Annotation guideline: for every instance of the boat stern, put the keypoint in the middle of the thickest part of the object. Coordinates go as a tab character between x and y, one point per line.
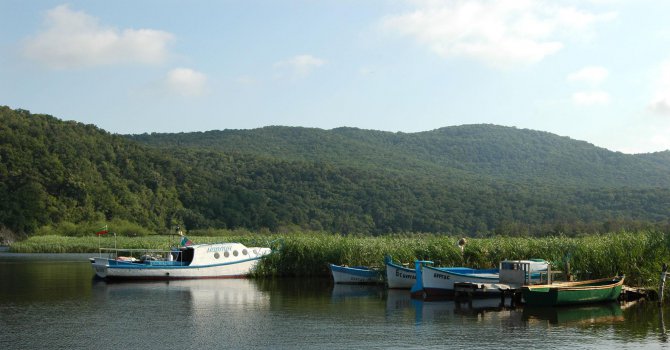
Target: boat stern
100	266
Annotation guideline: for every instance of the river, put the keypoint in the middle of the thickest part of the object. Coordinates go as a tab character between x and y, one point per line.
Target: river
53	302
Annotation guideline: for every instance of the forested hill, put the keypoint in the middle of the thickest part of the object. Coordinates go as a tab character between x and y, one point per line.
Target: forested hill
471	180
496	152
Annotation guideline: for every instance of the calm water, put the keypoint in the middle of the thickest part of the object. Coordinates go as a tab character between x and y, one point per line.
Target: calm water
53	302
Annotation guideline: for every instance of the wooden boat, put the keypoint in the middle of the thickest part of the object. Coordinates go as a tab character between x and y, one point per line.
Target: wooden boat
398	276
438	282
355	274
222	260
569	293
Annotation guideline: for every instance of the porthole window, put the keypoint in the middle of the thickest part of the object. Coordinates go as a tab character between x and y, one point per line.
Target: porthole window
244	252
216	255
226	254
235	252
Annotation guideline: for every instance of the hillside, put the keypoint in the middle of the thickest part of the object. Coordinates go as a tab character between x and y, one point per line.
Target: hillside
471	180
474	151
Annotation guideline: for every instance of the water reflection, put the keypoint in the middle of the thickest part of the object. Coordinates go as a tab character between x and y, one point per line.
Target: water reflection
202	294
196	309
66	308
586	314
43	281
663	334
346	291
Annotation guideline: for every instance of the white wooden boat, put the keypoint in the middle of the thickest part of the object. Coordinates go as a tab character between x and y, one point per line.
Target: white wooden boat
221	260
355	274
398	276
438	282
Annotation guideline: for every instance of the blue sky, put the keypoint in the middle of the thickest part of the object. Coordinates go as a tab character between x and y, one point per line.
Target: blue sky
596	70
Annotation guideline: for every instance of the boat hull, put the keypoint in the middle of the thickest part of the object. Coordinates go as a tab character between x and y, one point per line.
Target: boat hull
399	277
113	269
218	260
571	293
439	283
354	275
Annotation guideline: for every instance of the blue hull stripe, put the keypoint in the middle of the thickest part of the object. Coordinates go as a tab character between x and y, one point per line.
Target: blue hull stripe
113	264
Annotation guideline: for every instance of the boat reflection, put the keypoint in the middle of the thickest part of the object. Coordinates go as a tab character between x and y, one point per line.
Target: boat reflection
400	302
201	293
478	309
346	291
586	314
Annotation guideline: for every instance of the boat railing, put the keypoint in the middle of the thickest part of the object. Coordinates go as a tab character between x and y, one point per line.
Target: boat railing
140	254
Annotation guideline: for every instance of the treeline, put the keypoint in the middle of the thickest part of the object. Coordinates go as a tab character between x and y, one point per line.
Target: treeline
61	173
466	152
53	171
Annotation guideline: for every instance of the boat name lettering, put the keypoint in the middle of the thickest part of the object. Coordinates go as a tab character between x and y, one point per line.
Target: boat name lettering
441	276
219	249
405	275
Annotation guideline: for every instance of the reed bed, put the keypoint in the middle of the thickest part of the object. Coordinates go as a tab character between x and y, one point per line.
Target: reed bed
638	255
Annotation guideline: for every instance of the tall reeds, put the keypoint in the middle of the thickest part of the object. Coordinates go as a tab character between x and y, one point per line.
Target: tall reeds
638	255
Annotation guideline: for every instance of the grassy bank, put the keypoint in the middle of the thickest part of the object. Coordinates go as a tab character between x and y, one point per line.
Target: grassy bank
638	255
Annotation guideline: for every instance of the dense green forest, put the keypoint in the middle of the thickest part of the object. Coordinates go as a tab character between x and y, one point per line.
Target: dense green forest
469	180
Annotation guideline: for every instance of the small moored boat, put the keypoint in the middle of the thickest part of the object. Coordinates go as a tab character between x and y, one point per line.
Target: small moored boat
222	260
438	282
398	276
568	293
355	274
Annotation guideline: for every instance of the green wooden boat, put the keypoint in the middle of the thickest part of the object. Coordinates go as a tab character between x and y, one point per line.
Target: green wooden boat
569	293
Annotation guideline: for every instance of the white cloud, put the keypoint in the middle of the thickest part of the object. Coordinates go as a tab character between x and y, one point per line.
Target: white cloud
660	102
499	33
592	75
73	39
300	65
588	98
186	82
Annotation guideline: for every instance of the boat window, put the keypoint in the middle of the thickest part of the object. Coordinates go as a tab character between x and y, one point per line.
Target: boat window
235	252
226	254
216	255
244	252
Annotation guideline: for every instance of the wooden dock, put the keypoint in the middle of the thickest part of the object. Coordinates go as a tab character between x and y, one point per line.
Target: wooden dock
631	294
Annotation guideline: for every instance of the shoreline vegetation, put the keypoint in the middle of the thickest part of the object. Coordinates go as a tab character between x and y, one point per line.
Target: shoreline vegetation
637	255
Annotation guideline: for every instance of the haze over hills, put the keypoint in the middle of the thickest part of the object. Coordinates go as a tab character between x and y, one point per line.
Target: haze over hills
471	180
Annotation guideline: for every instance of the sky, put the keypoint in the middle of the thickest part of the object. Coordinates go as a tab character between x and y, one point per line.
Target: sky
592	70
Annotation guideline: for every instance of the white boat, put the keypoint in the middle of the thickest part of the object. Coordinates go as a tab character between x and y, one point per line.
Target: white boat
221	260
398	276
438	282
355	274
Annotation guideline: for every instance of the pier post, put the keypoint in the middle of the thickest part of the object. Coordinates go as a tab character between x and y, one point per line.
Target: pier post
662	286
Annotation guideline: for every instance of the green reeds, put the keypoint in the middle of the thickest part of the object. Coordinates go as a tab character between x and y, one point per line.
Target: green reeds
638	255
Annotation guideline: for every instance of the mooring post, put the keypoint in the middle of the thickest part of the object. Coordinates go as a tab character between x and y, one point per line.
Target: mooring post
662	286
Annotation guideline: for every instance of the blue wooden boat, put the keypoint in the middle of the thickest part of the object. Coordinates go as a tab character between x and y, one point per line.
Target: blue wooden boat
355	274
399	276
438	282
